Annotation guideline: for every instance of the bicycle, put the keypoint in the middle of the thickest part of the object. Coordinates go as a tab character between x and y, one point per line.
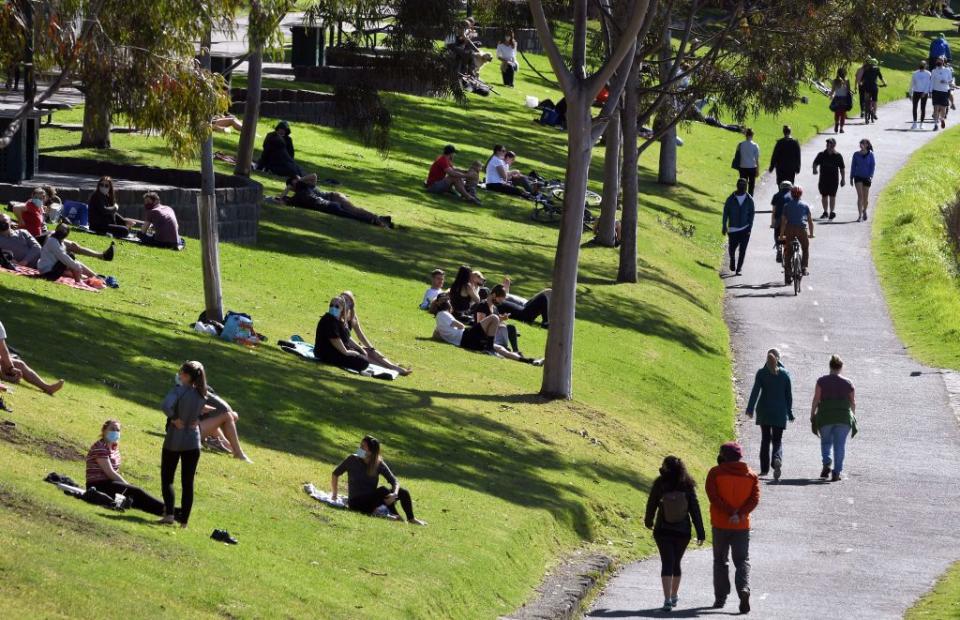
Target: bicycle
870	107
794	271
548	203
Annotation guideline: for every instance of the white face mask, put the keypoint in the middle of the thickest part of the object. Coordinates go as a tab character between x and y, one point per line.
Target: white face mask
360	453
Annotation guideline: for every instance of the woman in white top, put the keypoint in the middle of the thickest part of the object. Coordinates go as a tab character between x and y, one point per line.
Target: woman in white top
507	55
478	337
920	85
941	79
748	160
54	260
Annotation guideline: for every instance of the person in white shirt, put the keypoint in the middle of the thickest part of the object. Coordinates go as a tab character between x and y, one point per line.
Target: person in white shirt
507	55
437	277
477	337
748	160
13	369
920	85
55	261
941	80
501	179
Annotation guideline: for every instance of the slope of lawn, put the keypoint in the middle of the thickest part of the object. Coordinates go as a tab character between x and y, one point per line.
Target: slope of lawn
943	603
509	483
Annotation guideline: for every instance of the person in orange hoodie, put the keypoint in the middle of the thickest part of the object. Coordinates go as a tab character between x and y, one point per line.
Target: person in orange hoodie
734	492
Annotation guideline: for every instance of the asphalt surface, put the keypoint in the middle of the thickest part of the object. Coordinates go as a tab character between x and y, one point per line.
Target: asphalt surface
869	545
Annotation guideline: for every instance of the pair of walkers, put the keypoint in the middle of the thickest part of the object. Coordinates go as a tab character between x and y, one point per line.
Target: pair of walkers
673	511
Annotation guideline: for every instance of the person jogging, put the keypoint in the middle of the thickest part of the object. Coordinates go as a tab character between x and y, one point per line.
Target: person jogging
920	86
828	164
738	212
862	166
772	400
786	157
734	492
833	418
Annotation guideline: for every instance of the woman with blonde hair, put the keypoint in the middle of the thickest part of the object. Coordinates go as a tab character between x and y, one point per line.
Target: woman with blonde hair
772	400
352	322
183	407
103	471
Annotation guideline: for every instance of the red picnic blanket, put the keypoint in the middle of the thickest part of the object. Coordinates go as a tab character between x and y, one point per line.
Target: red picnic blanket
65	280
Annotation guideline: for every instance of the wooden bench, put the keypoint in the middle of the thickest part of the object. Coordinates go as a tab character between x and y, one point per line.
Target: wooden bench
48	108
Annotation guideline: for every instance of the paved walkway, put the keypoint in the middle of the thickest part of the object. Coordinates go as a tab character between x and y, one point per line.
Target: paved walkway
869	546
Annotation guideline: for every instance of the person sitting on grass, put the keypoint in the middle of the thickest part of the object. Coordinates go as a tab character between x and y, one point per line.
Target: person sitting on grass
472	180
437	277
160	227
364	468
104	213
31	214
465	291
21	248
352	322
333	345
306	196
56	260
444	176
503	180
278	154
478	337
527	311
13	369
103	471
218	426
507	334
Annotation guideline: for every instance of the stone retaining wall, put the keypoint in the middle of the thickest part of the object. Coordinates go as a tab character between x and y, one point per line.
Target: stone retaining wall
305	106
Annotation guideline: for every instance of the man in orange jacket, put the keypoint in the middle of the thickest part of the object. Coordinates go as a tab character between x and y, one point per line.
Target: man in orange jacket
734	492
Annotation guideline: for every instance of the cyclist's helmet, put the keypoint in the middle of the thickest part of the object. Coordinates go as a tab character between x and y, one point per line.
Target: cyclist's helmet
785	185
796	191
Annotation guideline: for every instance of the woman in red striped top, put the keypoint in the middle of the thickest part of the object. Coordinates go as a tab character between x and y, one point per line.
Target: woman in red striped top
103	471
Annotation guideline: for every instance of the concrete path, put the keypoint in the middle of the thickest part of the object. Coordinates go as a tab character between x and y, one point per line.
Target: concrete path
870	545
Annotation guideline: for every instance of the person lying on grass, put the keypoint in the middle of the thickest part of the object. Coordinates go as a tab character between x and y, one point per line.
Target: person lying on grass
13	369
19	247
103	471
364	468
352	322
56	260
306	196
480	336
437	277
333	345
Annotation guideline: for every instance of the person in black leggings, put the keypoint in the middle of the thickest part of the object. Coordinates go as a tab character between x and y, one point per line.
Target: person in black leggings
363	469
104	214
671	508
537	307
183	406
103	471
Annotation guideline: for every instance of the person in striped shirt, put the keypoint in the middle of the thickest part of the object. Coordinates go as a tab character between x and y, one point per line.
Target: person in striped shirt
103	471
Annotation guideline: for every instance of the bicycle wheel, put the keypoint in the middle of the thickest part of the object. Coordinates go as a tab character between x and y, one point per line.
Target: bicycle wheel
796	283
545	214
591	199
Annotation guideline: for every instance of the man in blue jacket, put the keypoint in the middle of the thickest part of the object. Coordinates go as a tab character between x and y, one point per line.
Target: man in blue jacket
938	48
737	222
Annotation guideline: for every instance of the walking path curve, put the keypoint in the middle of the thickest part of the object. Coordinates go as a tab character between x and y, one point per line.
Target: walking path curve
870	545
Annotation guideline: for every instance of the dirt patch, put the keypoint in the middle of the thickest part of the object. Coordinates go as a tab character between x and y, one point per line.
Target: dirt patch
58	448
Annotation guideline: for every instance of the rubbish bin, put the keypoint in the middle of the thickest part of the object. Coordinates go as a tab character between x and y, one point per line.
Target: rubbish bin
18	161
307	48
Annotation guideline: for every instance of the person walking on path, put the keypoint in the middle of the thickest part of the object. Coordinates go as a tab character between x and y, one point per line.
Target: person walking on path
796	224
920	87
738	213
183	406
772	399
862	166
841	100
828	164
941	79
786	157
939	48
734	492
746	160
833	417
671	507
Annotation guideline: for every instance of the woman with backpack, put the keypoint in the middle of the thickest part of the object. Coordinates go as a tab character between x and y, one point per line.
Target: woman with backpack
671	507
772	399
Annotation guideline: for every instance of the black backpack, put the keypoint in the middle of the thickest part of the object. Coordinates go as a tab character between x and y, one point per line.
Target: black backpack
674	507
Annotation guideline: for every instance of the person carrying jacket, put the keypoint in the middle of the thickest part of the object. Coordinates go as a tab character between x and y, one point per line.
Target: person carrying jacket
734	492
738	213
772	400
786	157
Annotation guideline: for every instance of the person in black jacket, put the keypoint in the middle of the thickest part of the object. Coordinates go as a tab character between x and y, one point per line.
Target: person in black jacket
671	522
738	213
278	153
786	157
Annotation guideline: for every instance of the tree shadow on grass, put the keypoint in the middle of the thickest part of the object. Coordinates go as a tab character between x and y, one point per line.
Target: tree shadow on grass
293	406
649	273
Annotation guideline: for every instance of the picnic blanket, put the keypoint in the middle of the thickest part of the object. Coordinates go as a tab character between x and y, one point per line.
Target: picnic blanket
65	280
304	350
325	498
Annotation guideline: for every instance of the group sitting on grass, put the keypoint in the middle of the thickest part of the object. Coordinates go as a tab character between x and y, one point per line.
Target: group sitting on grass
444	178
18	247
305	195
500	178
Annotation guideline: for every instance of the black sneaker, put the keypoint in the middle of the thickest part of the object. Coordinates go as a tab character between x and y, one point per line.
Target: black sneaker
108	253
825	472
824	215
719	602
744	602
833	215
223	536
776	469
864	216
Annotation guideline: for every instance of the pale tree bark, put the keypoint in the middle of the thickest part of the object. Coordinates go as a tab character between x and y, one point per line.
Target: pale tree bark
667	173
251	112
209	226
97	116
627	271
606	227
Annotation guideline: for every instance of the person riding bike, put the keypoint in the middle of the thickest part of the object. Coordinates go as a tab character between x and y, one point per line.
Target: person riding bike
869	87
780	197
795	224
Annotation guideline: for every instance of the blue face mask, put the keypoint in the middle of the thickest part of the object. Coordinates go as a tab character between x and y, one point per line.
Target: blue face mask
112	436
335	311
361	453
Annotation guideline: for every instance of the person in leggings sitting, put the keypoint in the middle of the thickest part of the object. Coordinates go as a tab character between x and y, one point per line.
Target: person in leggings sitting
104	214
364	468
332	345
183	406
103	471
526	311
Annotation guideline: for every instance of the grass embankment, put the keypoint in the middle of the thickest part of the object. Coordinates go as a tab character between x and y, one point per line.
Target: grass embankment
943	603
509	483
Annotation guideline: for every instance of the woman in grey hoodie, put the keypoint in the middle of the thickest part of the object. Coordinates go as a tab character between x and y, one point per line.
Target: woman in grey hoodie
182	406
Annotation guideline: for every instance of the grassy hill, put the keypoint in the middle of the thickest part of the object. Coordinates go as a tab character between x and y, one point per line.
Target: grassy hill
509	483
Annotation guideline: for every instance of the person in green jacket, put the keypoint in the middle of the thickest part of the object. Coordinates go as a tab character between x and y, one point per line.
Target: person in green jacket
772	399
833	417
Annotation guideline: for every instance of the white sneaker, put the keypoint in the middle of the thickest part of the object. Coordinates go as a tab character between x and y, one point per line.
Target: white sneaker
914	126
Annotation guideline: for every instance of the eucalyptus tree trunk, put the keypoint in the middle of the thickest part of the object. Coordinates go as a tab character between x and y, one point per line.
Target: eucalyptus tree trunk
629	182
209	226
607	226
251	113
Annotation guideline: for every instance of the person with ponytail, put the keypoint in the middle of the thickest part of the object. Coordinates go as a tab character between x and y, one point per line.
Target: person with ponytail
671	508
103	471
364	468
183	406
772	400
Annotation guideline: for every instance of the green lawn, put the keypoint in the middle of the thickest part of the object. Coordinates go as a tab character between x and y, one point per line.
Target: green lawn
508	483
943	603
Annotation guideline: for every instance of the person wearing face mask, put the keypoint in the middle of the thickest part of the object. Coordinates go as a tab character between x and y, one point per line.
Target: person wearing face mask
103	471
183	406
738	213
104	214
30	215
19	247
364	468
671	508
365	347
333	345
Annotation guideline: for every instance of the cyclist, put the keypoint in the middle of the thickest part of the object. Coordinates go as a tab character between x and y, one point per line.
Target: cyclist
795	224
869	86
780	197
